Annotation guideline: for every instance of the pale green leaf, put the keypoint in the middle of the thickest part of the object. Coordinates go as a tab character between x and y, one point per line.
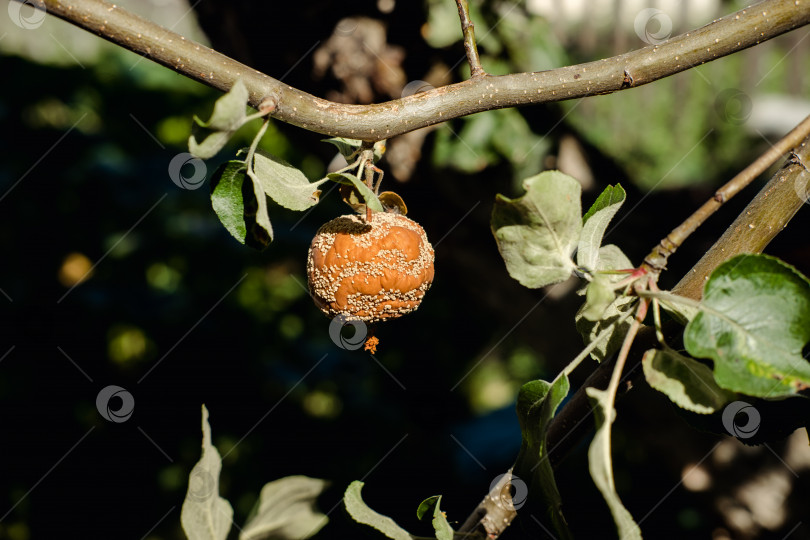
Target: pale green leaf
537	233
228	116
681	309
262	217
595	223
229	110
537	404
368	195
361	513
212	143
286	510
598	297
610	258
685	381
348	148
601	465
283	183
206	515
440	525
754	321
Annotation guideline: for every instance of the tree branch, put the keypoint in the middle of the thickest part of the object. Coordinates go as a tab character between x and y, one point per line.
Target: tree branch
730	34
470	47
656	261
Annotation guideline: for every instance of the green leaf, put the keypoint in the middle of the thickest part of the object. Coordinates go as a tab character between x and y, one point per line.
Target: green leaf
595	222
283	183
537	404
431	505
368	195
211	144
226	197
610	258
229	110
262	231
537	233
361	513
601	465
598	297
681	309
286	510
228	116
348	148
610	196
206	515
685	381
754	321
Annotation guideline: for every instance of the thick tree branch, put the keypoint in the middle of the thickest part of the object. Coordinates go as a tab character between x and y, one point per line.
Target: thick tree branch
375	122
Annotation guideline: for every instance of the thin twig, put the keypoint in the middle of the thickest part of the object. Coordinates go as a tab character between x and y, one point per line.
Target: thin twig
759	223
470	46
375	122
656	261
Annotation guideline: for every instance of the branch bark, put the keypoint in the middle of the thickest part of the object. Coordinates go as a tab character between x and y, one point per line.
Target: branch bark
375	122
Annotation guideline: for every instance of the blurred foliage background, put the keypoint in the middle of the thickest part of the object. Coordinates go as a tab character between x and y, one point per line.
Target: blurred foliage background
112	274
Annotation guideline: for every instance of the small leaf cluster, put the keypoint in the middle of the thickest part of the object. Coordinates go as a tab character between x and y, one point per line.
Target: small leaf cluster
286	509
242	189
743	341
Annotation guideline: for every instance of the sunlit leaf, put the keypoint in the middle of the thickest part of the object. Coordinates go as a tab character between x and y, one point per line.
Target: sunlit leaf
361	513
348	148
283	183
595	222
598	297
228	116
430	507
754	321
601	465
537	233
206	515
286	510
685	381
610	258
